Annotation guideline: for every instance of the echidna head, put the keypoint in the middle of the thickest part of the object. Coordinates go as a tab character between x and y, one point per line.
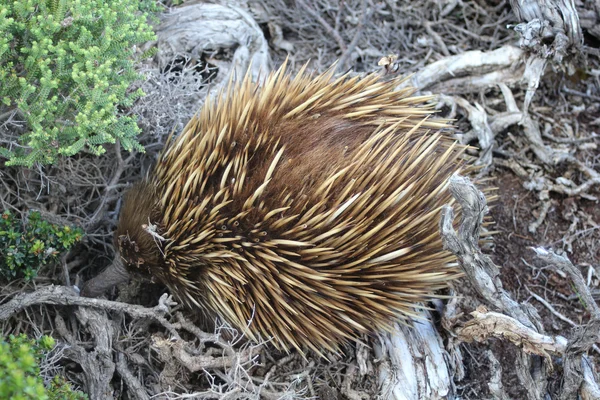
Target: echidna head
138	243
137	239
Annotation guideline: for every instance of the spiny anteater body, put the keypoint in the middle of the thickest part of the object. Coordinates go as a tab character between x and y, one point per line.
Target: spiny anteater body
305	210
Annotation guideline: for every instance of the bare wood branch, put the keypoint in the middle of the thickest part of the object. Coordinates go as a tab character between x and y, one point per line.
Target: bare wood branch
486	324
325	24
516	322
66	296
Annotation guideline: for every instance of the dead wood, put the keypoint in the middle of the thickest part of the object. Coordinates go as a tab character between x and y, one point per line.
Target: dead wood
516	322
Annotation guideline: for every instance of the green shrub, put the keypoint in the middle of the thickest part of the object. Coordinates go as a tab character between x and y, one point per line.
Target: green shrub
66	66
25	247
20	372
60	389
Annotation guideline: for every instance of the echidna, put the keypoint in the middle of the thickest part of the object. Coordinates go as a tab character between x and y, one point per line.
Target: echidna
305	209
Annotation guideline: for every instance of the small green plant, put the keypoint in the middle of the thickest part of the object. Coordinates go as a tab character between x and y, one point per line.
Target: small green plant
26	247
20	372
66	67
60	389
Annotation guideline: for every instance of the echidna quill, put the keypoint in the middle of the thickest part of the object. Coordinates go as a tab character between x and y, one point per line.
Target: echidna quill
305	209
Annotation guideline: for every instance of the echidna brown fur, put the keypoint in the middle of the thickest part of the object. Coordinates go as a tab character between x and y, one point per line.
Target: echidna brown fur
305	209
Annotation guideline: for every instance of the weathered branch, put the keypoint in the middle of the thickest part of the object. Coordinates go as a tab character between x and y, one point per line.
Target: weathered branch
516	322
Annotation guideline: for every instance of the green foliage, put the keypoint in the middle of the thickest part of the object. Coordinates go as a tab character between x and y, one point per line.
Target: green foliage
60	389
66	66
25	248
20	372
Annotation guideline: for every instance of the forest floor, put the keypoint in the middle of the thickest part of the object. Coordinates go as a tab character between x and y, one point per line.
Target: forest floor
553	205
